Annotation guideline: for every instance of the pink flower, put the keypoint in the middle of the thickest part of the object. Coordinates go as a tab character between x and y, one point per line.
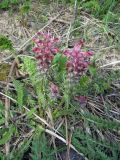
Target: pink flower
78	60
44	50
54	90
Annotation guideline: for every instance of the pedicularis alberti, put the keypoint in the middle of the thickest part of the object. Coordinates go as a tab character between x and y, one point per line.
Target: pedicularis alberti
46	47
45	50
78	61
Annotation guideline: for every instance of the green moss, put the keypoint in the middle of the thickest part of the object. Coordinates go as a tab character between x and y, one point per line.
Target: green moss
4	71
5	43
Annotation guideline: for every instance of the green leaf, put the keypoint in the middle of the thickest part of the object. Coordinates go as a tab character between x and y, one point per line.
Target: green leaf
2	156
7	135
4	4
92	70
97	88
5	43
2	120
84	80
40	148
60	61
30	113
24	8
63	112
20	92
30	66
41	99
1	106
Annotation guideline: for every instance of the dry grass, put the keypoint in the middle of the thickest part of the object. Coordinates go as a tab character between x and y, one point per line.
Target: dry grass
103	41
100	39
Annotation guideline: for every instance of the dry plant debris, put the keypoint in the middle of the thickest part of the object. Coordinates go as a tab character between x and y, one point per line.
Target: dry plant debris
59	21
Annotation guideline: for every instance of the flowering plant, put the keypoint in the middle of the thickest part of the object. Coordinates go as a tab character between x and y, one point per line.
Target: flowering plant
76	62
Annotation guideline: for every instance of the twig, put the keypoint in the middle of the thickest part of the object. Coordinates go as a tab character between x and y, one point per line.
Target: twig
62	21
68	35
7	107
8	97
22	55
75	10
115	69
52	124
106	48
7	58
67	139
109	64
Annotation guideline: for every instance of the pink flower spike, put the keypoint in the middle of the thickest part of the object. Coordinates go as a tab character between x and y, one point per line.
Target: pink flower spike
78	60
45	50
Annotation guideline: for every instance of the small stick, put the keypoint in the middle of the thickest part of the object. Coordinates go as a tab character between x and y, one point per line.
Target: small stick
7	107
53	138
68	35
62	21
75	10
109	64
67	140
